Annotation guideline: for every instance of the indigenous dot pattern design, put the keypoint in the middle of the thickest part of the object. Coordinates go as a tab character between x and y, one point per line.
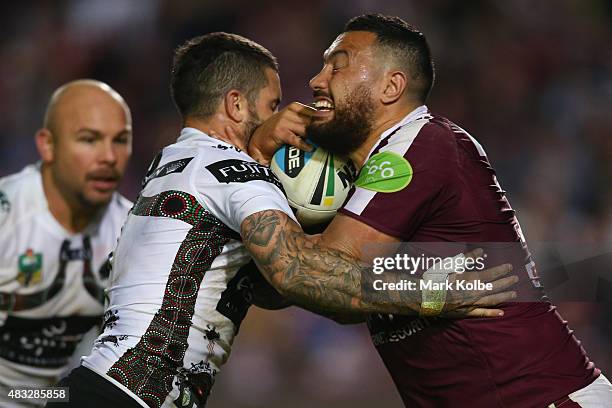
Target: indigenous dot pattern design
148	368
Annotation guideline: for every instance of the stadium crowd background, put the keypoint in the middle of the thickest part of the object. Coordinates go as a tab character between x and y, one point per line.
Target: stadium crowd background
531	80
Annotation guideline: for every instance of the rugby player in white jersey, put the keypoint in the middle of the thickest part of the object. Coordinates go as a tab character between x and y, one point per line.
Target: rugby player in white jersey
59	219
179	285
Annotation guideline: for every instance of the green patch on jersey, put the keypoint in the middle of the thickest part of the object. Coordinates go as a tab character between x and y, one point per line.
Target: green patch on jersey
30	268
385	172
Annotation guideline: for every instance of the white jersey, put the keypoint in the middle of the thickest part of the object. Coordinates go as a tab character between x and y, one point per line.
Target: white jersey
50	281
178	288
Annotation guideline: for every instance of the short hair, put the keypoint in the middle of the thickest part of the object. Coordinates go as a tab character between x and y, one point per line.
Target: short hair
205	68
405	43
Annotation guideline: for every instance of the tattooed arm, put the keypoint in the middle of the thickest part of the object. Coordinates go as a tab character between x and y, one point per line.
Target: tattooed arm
308	273
329	279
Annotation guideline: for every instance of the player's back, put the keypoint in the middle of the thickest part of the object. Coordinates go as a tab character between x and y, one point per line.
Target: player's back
176	297
528	357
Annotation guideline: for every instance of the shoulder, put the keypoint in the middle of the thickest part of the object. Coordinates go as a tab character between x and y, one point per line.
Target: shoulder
120	204
20	181
431	132
205	147
214	151
231	165
426	143
209	155
20	195
115	214
421	153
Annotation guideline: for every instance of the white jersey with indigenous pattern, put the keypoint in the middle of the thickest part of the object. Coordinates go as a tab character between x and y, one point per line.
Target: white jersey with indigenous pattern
50	281
179	288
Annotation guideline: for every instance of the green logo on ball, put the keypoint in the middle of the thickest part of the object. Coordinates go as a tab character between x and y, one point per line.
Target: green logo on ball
385	172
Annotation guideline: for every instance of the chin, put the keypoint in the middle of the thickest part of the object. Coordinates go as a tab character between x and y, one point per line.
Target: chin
320	121
97	199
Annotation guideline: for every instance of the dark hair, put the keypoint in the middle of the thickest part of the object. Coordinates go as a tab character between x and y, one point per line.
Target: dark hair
205	68
405	44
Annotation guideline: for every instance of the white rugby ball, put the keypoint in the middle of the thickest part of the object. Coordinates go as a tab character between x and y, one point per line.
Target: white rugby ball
316	182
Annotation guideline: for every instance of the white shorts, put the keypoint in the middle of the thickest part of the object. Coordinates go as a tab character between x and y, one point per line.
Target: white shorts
597	394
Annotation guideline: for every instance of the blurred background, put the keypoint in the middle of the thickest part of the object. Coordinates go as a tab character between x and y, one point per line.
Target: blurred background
532	81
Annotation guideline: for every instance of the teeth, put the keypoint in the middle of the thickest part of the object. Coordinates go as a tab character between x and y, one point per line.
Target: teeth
323	105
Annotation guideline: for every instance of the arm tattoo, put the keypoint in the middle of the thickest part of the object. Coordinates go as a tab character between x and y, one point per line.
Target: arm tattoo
261	228
314	276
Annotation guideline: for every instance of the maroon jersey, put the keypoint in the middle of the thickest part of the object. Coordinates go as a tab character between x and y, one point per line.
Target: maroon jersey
528	357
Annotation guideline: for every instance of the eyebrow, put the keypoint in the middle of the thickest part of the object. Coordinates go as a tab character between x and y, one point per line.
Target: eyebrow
97	133
334	53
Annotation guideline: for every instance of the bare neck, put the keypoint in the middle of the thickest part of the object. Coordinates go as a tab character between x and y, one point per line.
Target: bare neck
386	121
70	214
219	127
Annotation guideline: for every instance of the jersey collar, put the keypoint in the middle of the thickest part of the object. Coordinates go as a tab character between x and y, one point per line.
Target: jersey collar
189	133
419	113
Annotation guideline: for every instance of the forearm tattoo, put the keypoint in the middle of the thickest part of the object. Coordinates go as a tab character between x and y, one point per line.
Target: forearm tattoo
315	276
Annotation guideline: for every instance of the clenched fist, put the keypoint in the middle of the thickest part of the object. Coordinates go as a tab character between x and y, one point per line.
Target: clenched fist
287	126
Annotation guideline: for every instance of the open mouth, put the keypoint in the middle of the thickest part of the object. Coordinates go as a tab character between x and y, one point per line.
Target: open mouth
103	183
323	105
325	109
103	180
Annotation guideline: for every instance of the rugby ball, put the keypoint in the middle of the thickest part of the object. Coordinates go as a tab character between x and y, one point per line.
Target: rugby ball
316	183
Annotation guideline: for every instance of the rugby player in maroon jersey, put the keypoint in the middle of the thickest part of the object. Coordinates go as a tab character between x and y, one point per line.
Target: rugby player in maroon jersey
370	98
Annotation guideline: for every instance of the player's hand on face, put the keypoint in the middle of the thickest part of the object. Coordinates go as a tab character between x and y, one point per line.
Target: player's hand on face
461	303
287	126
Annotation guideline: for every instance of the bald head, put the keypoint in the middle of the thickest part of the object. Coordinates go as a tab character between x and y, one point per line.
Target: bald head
81	95
85	142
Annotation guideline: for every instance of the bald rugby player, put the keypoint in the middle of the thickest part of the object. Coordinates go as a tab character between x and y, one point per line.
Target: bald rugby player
59	220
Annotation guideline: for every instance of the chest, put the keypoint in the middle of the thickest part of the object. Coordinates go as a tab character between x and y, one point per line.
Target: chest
43	271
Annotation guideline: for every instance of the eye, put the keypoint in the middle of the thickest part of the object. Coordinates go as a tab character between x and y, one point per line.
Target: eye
87	136
338	61
122	139
87	139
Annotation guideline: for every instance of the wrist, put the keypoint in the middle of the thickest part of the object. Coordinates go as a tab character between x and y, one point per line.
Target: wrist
434	286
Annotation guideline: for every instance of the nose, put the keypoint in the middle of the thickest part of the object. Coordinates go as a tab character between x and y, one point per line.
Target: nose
108	154
319	81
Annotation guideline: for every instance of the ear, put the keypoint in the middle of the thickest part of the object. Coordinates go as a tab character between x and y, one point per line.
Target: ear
236	106
394	87
45	144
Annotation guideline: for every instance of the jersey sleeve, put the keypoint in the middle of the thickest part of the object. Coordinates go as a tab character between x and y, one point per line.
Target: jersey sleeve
402	184
8	243
236	189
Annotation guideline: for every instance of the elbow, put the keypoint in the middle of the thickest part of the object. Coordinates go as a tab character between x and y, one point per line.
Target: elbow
348	319
341	321
286	289
281	287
